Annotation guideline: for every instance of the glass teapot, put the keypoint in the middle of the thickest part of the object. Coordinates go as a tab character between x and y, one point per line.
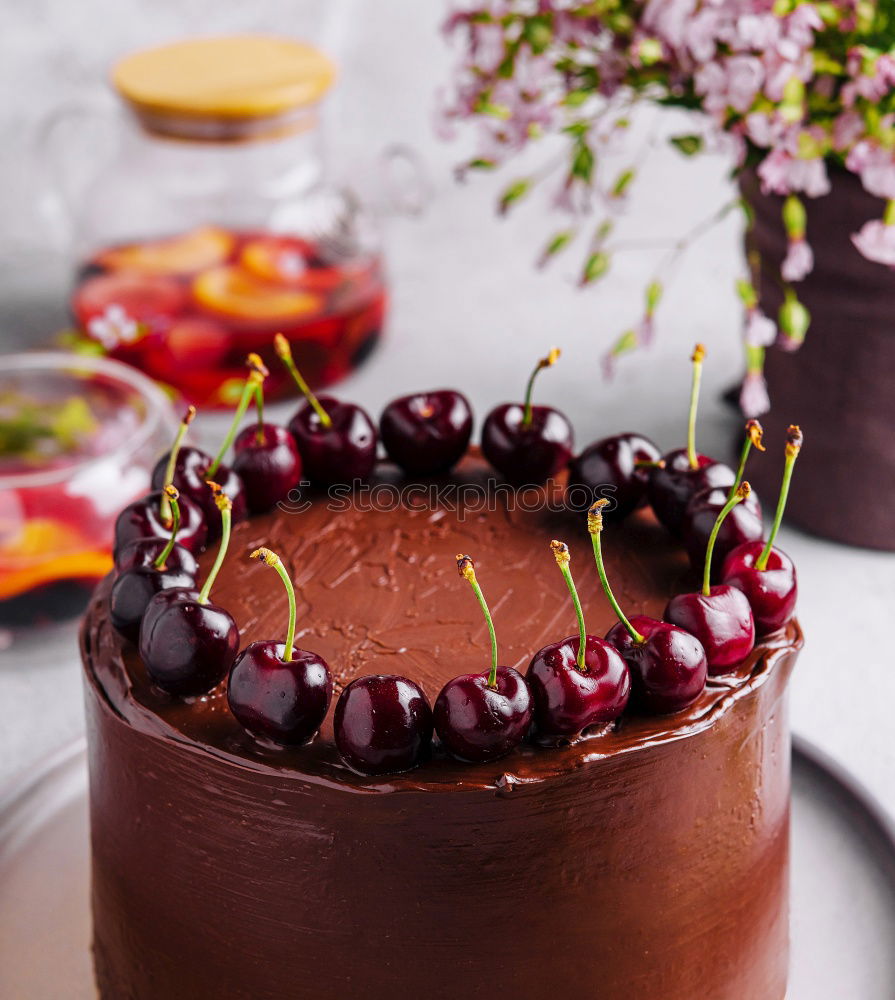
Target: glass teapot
212	227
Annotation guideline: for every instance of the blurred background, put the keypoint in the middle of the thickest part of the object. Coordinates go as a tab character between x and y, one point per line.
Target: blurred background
467	306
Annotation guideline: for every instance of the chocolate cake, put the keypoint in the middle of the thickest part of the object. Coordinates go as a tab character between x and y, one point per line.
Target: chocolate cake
647	860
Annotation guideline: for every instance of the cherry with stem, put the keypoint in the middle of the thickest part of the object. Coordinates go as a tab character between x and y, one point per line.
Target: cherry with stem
276	691
684	471
481	717
188	644
336	440
150	516
752	439
528	444
668	665
579	682
764	573
266	460
147	568
719	616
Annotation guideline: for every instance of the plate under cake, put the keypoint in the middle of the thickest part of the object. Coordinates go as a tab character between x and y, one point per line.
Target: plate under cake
649	861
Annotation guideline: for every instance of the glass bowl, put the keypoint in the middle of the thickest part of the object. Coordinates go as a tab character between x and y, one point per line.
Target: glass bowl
78	439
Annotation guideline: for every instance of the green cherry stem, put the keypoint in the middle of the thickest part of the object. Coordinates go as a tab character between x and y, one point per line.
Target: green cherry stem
270	558
284	353
697	359
561	554
754	432
740	494
466	568
546	362
254	380
794	438
259	409
595	528
224	505
165	509
172	496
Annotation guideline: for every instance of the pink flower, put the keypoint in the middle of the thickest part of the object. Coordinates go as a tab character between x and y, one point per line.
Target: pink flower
669	19
876	241
847	129
782	173
760	330
799	261
876	167
754	399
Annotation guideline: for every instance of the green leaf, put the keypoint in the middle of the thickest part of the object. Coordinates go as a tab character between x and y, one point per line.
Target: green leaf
622	182
559	241
654	292
481	164
595	267
583	162
747	293
625	343
517	190
794	319
689	145
538	32
794	217
575	98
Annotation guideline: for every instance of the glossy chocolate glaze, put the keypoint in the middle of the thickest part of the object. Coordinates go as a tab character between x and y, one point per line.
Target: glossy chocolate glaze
648	861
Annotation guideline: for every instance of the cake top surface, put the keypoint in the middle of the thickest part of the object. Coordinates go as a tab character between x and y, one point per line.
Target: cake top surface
378	592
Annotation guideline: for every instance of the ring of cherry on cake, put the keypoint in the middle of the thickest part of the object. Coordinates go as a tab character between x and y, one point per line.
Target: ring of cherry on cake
577	686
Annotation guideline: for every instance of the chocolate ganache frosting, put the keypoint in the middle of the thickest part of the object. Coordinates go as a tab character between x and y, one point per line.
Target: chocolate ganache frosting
643	862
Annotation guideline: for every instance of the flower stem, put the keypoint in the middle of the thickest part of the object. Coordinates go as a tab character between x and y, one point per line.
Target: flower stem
254	380
466	568
272	559
754	432
794	440
171	495
546	362
561	554
224	505
284	353
595	527
739	495
165	509
696	358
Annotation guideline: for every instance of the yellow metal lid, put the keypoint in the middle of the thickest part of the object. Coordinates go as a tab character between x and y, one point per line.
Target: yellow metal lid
208	88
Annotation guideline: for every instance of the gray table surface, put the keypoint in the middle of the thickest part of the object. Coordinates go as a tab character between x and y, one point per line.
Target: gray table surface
468	310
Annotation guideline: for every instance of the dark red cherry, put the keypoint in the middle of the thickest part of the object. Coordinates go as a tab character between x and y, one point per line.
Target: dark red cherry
134	588
190	477
616	468
569	700
771	592
186	646
382	724
145	551
280	700
742	524
268	464
339	453
428	432
668	669
671	487
721	620
527	454
481	717
142	519
477	722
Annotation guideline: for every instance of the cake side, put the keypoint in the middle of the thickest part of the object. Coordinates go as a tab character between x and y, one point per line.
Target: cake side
657	873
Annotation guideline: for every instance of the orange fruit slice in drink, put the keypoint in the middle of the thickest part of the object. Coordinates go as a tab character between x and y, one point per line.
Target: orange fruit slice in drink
285	260
44	550
194	251
233	292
